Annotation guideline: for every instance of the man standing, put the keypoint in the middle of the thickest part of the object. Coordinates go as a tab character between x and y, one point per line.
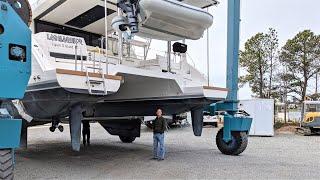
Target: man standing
86	133
159	127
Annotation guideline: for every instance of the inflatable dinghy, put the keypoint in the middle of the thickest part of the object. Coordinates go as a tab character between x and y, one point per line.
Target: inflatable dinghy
172	20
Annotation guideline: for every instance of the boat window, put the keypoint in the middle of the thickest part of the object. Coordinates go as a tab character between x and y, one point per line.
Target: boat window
67	56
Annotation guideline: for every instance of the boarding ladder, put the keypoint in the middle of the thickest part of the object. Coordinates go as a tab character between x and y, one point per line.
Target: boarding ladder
93	80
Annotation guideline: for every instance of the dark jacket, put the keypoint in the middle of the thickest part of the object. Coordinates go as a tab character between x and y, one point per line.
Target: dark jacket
159	125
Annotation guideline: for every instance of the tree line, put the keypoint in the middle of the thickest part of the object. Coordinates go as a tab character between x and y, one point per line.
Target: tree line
281	72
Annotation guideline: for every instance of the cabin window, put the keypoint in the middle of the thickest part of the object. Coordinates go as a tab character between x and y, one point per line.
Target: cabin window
311	108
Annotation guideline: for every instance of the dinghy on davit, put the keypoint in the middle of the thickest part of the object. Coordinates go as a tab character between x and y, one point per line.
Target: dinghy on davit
79	74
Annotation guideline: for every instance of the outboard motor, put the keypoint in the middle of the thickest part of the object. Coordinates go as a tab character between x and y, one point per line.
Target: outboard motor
129	7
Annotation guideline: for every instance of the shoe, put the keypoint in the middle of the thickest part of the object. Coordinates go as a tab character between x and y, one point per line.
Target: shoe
160	159
154	158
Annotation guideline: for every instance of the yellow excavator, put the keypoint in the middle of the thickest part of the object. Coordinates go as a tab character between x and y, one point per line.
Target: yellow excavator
310	124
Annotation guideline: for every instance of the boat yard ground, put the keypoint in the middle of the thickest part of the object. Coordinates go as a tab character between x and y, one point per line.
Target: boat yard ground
285	156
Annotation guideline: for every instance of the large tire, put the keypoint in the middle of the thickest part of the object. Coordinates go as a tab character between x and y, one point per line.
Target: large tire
126	139
236	146
6	165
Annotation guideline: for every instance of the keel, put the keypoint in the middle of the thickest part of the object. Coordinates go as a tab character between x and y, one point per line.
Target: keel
75	126
197	121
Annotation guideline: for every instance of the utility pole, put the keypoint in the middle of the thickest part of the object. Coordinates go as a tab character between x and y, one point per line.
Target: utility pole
316	83
285	105
208	53
285	98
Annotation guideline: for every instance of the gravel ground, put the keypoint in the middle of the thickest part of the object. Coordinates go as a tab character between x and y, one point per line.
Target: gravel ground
282	157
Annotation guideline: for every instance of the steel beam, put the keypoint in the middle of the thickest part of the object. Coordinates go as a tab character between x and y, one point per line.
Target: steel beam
10	130
233	53
231	122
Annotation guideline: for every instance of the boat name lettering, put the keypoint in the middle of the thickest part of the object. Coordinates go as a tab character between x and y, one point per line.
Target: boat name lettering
64	39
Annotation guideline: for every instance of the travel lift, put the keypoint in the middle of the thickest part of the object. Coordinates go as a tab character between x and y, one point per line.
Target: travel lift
232	139
15	55
15	70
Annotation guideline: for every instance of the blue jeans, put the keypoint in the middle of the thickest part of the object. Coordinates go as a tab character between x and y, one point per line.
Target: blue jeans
158	146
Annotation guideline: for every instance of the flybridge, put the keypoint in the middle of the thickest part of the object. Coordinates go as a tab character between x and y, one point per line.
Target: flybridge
64	39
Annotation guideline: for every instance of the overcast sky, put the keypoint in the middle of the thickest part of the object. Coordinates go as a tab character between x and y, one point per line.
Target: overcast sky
288	17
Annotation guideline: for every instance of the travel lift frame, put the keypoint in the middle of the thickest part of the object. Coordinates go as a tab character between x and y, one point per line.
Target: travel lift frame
232	139
16	69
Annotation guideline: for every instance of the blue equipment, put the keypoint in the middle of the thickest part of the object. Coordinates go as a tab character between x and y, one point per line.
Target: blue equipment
232	138
15	70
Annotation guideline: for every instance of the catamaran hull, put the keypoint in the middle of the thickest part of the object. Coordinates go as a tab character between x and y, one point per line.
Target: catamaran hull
46	104
170	106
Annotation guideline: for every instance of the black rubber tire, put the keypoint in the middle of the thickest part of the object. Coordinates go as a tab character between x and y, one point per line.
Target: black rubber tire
126	139
52	129
61	128
6	164
236	146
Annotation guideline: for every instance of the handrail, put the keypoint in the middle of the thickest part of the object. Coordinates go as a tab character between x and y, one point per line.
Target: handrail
194	64
76	57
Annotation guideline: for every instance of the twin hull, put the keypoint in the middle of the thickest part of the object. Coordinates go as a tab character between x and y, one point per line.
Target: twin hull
137	96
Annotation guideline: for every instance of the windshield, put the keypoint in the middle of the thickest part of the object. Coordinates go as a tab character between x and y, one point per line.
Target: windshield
312	107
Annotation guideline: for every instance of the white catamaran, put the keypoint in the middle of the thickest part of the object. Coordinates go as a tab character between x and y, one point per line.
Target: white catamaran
78	72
